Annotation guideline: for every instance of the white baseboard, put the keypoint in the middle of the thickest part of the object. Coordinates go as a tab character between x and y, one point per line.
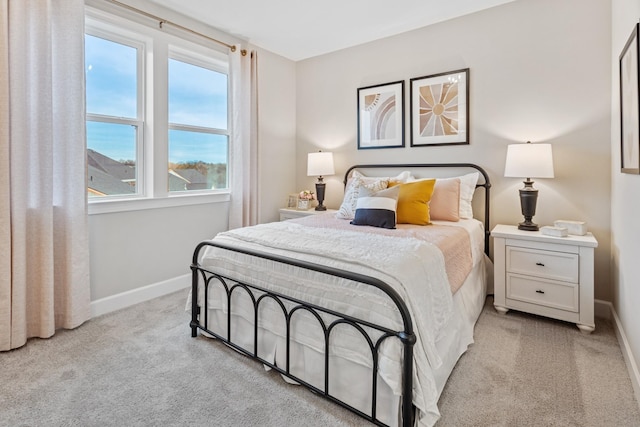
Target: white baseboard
629	358
136	296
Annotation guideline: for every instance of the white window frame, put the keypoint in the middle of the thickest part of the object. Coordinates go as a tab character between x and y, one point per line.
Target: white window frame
152	163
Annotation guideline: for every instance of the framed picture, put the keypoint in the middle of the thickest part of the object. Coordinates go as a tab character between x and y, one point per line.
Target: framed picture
629	106
381	116
439	109
293	200
304	204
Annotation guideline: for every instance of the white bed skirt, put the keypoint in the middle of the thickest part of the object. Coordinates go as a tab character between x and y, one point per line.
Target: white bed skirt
347	379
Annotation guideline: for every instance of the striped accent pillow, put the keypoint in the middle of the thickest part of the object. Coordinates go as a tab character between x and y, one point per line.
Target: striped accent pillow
357	187
377	210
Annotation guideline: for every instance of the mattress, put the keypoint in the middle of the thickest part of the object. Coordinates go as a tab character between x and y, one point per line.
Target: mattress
439	271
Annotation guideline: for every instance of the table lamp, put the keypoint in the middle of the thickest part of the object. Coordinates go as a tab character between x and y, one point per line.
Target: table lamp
529	161
319	164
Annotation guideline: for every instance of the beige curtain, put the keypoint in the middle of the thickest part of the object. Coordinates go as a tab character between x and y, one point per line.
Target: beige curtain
44	260
243	210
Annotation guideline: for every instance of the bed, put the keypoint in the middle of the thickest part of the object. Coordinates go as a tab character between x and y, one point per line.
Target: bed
369	316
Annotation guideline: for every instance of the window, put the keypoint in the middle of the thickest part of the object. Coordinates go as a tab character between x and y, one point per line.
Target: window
155	102
113	117
198	136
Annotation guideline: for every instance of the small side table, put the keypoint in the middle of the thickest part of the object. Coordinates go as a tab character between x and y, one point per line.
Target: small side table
291	213
544	275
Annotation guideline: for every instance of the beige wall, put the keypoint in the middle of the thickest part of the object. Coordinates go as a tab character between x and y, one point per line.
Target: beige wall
625	199
129	250
277	132
539	71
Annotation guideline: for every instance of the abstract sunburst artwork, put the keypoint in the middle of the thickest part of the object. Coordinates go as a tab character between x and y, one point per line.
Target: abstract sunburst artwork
439	109
380	116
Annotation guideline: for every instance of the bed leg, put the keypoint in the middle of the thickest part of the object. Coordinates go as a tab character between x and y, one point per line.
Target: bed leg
407	380
195	309
194	320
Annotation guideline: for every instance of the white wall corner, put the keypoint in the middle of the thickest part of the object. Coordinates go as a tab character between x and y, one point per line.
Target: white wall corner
630	360
138	295
603	309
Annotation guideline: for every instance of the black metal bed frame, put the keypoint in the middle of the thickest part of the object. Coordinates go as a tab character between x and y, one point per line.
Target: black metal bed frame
290	306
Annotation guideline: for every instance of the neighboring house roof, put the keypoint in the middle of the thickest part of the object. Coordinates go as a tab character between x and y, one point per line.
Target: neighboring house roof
112	167
186	179
108	177
101	183
176	182
191	175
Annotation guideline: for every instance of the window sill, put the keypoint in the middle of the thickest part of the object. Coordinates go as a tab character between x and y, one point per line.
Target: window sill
97	207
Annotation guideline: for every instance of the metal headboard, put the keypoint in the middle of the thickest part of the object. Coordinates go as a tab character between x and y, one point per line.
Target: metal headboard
486	184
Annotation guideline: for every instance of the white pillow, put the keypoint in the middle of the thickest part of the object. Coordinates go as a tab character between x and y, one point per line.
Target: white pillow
467	188
401	177
355	186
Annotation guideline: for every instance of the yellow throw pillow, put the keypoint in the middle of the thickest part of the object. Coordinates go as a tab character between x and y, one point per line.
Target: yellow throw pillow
413	202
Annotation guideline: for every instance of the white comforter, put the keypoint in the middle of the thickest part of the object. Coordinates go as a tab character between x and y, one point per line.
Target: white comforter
414	268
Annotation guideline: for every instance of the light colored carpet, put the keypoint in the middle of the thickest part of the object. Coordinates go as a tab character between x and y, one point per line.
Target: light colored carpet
140	367
526	370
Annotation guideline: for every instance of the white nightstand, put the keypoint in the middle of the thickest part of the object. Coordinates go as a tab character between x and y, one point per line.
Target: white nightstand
290	213
544	275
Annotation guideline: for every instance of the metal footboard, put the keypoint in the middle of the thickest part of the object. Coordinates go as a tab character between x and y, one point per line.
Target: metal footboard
199	320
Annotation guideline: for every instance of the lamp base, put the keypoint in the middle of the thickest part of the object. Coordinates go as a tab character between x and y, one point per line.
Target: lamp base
320	187
528	226
528	200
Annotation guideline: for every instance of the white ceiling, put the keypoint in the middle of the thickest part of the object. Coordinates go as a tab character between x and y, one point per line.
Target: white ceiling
299	29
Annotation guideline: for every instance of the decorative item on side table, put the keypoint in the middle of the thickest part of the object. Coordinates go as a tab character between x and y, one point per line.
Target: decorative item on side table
319	164
293	201
304	199
555	231
575	228
529	161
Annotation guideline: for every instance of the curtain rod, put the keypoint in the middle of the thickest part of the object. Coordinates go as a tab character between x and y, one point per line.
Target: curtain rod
163	21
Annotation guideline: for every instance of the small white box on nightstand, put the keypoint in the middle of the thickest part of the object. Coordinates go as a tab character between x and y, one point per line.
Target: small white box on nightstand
576	228
554	231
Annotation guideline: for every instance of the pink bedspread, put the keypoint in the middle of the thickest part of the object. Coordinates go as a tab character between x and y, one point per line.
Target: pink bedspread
454	242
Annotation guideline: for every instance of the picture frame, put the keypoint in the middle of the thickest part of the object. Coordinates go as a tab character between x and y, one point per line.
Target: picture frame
293	200
439	109
303	204
630	105
381	116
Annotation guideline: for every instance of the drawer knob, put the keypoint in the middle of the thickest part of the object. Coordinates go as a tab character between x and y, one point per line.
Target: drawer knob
538	291
540	264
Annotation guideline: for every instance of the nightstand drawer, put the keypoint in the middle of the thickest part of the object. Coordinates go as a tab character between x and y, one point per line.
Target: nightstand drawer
561	295
543	264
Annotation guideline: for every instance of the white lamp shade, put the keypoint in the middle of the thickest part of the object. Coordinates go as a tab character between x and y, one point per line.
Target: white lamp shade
529	161
320	164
